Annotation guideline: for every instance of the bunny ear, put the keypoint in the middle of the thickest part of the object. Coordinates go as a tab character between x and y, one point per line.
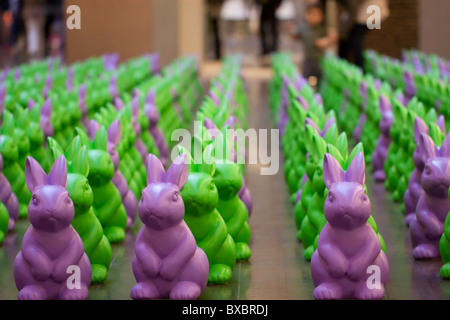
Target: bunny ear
356	170
332	170
331	134
427	147
385	104
310	122
328	124
151	95
135	105
208	165
100	141
419	127
178	171
155	170
441	123
34	174
58	173
444	150
80	162
73	148
342	145
114	132
332	150
46	109
85	140
93	128
190	160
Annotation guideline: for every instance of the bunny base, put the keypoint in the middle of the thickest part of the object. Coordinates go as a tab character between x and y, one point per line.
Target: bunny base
33	289
332	287
188	285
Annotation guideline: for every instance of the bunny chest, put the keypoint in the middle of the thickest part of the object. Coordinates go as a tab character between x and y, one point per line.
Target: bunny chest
352	241
437	206
204	226
164	241
53	244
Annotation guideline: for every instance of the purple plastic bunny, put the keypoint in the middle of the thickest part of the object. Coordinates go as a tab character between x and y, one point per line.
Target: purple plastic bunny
48	86
362	119
427	226
348	262
129	200
51	248
46	114
139	144
410	88
412	194
113	89
167	261
153	115
380	153
8	198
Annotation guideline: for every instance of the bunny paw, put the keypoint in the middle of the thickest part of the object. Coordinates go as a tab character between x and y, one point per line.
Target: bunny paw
219	273
115	234
308	253
243	252
99	273
409	218
445	271
185	290
74	294
31	293
144	291
327	291
425	251
365	293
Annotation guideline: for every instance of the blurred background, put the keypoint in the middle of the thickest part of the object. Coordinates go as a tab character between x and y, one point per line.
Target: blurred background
33	29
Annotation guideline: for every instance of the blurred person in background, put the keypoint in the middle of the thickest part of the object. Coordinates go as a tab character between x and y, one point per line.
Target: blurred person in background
16	36
34	15
268	25
213	10
4	7
313	33
54	28
353	27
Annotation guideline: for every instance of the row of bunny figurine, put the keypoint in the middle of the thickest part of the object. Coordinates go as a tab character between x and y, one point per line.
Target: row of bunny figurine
98	188
82	175
412	159
332	211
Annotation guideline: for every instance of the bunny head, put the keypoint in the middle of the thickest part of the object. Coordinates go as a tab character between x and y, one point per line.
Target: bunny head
46	116
78	170
161	205
435	179
200	193
35	133
8	145
101	167
21	124
228	174
51	208
150	108
114	135
347	205
419	127
387	116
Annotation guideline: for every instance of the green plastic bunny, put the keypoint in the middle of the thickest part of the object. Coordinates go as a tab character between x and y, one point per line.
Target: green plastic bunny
85	222
107	204
200	197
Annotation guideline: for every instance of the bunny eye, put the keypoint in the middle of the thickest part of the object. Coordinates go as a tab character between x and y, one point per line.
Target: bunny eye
211	186
68	200
86	187
175	197
330	197
35	201
427	170
365	198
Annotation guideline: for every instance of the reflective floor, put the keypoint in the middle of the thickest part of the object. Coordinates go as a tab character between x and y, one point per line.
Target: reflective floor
276	269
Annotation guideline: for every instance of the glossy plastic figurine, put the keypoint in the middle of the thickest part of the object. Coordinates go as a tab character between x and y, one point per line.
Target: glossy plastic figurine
167	262
200	198
427	225
107	204
8	198
228	180
153	115
129	200
349	251
380	153
12	170
51	248
96	245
